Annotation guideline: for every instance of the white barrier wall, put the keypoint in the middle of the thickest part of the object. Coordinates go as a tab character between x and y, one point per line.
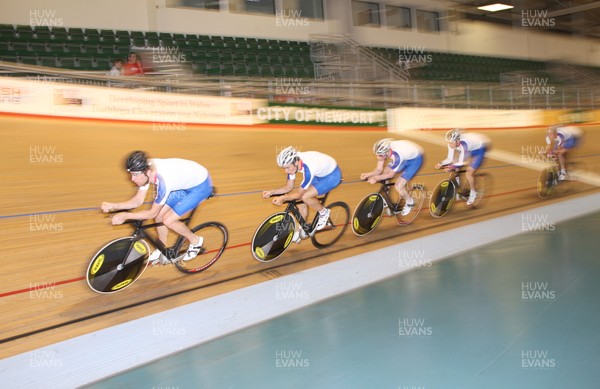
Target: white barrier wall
41	97
404	119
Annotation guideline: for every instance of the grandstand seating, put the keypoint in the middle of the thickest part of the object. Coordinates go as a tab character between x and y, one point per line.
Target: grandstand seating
92	49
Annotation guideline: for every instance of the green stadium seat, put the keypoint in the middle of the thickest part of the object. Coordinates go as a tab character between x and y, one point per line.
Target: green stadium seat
30	60
67	62
238	56
8	58
225	56
84	63
199	67
265	69
212	55
38	48
23	36
50	62
213	68
42	36
239	69
59	37
277	70
227	69
217	41
103	64
252	69
108	39
21	47
56	48
289	70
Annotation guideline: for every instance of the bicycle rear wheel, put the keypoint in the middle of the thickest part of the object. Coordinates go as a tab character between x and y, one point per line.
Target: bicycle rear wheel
442	198
117	265
480	180
367	214
546	182
339	217
273	237
215	240
417	192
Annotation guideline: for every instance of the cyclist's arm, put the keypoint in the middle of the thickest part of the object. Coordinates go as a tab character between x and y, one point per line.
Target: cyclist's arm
448	160
378	170
132	203
296	195
289	185
386	174
145	214
460	161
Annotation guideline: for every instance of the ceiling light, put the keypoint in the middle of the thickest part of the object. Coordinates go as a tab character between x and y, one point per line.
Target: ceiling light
495	7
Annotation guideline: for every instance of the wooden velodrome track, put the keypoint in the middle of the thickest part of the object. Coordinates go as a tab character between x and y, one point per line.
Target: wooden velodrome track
56	173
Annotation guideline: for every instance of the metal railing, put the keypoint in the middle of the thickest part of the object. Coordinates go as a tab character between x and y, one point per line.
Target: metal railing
351	94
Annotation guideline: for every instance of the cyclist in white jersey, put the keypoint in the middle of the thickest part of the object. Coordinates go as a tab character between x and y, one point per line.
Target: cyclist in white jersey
321	174
469	145
181	185
406	160
560	140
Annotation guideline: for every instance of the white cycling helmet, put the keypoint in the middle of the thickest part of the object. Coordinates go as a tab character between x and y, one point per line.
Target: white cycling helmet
453	135
382	146
287	156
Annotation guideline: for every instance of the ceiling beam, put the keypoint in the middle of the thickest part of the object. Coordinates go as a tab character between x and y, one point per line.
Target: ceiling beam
575	9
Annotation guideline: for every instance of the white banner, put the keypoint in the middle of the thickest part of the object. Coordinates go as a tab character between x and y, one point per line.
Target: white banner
43	96
406	119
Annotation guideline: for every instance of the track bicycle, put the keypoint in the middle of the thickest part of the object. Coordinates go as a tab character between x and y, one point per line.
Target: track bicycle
369	211
455	188
548	182
122	261
274	235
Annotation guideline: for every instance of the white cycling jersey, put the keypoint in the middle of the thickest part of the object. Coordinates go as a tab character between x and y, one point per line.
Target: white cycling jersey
313	164
175	174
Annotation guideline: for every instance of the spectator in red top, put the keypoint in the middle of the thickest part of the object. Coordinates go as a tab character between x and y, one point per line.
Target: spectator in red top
133	67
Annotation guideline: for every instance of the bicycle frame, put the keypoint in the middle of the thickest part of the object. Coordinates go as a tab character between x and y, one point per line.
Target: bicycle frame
292	207
384	191
140	233
455	179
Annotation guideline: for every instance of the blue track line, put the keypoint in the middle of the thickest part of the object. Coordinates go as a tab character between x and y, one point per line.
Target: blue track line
3	217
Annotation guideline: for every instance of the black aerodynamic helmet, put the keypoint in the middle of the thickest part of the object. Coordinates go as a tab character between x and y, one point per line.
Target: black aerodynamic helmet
137	162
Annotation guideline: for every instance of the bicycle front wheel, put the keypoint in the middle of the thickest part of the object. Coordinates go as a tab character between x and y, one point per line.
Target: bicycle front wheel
367	214
339	217
442	198
117	265
546	182
215	240
273	237
417	193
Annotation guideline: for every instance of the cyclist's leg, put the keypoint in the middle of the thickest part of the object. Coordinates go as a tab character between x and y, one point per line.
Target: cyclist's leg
303	209
321	186
400	187
162	231
409	170
477	160
181	203
310	198
560	153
